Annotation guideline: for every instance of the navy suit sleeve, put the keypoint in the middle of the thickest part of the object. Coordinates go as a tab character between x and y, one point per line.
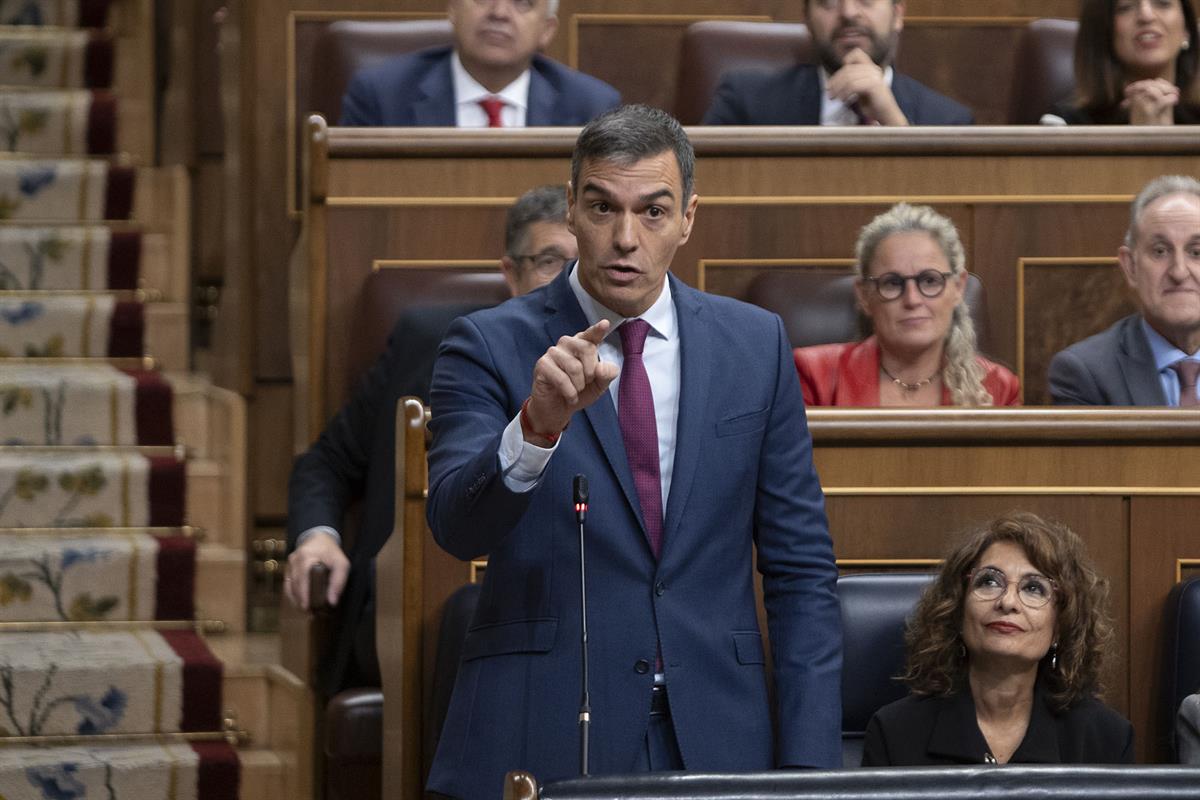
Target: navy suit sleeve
360	103
728	104
470	509
331	474
1071	382
795	557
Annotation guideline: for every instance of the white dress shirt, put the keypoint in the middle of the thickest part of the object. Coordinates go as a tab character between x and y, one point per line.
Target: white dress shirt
523	463
468	92
835	112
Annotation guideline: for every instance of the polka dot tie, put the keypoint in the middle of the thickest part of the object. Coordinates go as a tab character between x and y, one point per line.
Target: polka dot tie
635	412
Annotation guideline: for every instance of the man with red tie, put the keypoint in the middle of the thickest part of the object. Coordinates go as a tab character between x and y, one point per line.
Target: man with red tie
682	410
493	76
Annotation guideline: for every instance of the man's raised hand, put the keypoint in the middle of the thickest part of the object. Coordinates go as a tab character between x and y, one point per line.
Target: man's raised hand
569	376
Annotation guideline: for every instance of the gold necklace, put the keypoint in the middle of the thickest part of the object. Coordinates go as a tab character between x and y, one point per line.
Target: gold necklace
908	387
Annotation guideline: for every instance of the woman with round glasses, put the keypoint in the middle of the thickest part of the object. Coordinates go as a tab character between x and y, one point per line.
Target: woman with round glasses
912	276
1005	650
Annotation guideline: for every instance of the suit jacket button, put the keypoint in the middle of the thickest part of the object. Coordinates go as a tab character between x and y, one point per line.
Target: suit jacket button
642	666
660	588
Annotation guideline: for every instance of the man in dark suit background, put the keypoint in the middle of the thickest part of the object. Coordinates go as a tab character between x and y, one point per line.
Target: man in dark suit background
494	76
1151	358
354	458
853	83
686	417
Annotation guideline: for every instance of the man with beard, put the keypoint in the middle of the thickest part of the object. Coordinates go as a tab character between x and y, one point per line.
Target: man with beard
854	83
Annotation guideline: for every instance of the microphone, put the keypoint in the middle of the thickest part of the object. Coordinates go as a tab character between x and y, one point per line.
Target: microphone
581	498
580	486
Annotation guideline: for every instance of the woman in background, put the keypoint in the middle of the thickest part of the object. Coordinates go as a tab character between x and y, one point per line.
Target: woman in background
1005	650
912	276
1135	63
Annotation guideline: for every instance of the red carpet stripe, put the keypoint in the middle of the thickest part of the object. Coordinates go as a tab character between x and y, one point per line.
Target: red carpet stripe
102	123
176	589
168	483
124	259
218	771
152	409
201	681
118	198
127	330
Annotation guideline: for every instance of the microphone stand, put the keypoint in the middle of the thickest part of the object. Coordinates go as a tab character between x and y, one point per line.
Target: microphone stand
585	705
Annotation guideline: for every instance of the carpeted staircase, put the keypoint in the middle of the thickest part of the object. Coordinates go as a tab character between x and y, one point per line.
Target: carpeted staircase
121	477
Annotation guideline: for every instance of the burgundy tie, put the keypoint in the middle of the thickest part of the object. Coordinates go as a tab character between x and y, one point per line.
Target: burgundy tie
492	106
1188	371
635	410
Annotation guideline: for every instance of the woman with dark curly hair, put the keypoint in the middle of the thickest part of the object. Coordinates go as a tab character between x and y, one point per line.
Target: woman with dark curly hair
1005	650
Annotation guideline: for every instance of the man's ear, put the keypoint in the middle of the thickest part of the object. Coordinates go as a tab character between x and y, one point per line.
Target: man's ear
549	28
689	218
898	16
571	208
510	270
1128	265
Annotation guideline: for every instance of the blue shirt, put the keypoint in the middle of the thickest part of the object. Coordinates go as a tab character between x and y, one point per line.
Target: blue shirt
1165	354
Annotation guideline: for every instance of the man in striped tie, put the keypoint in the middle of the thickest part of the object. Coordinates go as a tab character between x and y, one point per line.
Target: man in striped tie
1151	358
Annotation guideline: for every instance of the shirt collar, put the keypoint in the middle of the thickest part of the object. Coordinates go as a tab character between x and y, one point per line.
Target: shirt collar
1165	354
660	315
469	90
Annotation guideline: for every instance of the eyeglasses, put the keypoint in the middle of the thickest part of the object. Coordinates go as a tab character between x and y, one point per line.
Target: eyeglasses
989	583
545	262
891	285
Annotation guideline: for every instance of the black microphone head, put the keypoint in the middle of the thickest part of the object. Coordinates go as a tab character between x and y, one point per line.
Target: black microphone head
581	489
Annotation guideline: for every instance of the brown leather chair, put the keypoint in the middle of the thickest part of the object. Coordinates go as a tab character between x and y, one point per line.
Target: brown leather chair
713	47
388	293
1045	69
346	46
818	306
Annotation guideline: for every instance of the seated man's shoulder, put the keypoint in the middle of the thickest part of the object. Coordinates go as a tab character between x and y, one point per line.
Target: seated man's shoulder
929	106
1100	345
405	66
577	88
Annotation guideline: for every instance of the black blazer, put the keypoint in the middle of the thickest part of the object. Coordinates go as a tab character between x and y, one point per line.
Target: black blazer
924	731
1184	114
353	460
792	96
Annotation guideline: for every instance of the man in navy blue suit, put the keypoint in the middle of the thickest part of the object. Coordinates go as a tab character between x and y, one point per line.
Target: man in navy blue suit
494	76
683	411
853	83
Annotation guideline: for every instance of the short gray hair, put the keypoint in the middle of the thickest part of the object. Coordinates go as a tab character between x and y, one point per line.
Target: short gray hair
628	134
1157	189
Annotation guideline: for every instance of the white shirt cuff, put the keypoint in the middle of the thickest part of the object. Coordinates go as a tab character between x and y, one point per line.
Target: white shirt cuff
522	463
313	531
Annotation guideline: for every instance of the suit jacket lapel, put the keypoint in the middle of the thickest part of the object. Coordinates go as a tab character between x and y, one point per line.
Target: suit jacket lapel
543	99
808	95
566	318
1136	362
695	378
436	107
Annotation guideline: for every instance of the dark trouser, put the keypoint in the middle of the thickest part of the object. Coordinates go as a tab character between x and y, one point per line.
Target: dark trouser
662	749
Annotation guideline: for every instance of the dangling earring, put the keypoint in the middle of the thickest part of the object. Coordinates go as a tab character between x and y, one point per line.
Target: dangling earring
1054	656
1186	44
962	650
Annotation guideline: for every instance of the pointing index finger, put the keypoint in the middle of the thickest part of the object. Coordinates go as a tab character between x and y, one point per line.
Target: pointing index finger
596	333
